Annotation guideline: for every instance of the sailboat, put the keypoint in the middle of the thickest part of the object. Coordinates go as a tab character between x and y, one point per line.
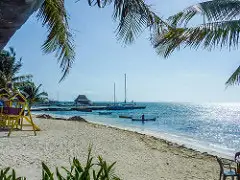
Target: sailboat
125	105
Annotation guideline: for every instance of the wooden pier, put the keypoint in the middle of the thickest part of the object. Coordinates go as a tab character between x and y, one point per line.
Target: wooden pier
87	108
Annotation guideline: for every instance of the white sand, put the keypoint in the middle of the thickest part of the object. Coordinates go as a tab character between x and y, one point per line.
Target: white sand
138	157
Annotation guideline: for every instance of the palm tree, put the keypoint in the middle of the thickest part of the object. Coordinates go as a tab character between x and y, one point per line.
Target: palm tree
220	28
9	69
33	94
133	15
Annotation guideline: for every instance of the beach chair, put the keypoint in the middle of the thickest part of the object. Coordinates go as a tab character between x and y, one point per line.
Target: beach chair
13	117
226	170
4	98
15	113
2	119
20	114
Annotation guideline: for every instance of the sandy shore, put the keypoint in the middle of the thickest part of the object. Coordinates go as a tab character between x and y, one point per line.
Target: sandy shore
139	157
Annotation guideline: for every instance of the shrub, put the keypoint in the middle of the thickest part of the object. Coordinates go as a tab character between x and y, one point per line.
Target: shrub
7	175
91	171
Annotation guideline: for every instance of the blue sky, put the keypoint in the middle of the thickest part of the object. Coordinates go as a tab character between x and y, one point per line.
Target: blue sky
187	76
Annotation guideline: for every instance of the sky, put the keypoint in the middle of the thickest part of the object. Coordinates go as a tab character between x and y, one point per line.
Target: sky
186	76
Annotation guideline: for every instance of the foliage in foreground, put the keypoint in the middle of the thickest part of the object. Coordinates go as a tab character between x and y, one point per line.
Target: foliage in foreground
8	174
91	171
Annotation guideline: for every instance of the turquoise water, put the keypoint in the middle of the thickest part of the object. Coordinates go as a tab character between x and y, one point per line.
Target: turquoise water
208	127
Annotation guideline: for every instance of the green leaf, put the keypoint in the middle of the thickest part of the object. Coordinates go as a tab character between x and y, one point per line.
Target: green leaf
13	175
234	78
47	174
59	176
214	10
59	40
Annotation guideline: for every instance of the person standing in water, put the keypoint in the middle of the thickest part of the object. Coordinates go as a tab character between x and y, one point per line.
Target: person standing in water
143	118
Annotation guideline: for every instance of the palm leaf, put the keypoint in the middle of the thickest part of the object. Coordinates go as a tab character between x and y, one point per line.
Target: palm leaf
22	78
134	16
211	10
59	39
16	67
210	36
43	94
10	67
12	52
36	89
235	78
32	92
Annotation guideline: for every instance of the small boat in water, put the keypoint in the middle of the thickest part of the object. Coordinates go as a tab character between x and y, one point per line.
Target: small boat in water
126	117
150	119
105	113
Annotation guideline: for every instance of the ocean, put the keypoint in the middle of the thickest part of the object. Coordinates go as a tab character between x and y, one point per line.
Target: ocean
207	127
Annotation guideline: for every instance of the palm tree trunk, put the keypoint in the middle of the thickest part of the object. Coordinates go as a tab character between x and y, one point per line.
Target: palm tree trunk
13	14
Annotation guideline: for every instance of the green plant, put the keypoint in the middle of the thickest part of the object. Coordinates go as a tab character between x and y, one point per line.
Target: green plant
91	171
32	93
10	68
7	174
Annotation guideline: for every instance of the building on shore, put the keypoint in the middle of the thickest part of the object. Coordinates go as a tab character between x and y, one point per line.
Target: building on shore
82	100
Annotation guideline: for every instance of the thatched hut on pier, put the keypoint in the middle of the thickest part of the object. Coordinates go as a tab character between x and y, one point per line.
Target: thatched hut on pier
82	100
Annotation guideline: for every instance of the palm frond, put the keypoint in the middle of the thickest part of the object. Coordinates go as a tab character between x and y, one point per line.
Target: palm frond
134	16
43	94
12	52
32	93
37	88
214	10
210	36
10	67
99	3
59	40
22	78
17	66
235	78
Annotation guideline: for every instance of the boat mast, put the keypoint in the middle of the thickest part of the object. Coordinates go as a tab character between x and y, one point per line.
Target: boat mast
57	96
114	94
125	100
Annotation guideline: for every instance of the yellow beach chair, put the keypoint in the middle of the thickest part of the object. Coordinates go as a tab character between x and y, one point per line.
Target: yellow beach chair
16	113
4	98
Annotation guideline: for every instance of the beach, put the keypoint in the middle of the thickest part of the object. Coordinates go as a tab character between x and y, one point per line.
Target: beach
137	156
